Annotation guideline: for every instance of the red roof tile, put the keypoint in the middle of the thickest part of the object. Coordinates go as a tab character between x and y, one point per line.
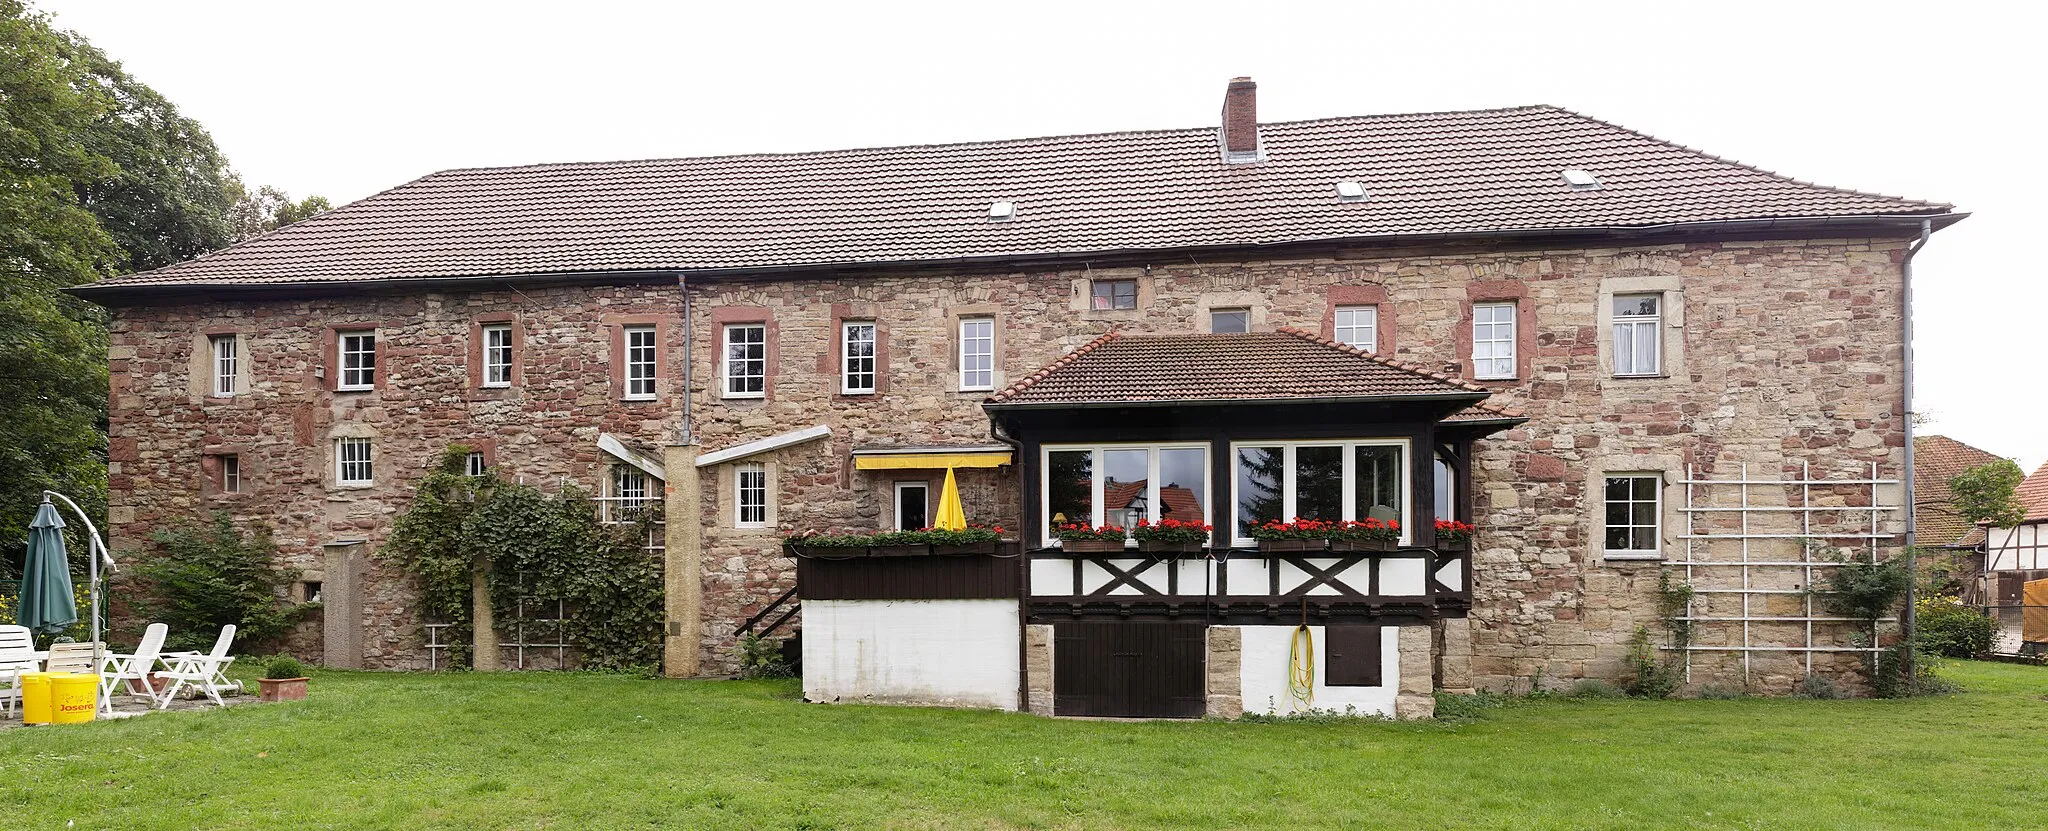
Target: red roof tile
2033	494
1937	459
1282	365
1487	171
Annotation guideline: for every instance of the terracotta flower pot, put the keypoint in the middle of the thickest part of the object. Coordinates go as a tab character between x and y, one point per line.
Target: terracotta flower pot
283	689
1092	546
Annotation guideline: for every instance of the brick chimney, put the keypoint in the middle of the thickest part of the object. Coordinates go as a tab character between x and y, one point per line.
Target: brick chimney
1241	122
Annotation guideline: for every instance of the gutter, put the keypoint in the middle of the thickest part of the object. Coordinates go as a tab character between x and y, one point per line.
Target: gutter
1907	620
115	293
1460	397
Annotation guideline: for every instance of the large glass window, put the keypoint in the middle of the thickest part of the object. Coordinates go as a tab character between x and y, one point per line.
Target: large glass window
1632	515
1359	326
1638	335
1493	340
1124	484
857	367
1335	480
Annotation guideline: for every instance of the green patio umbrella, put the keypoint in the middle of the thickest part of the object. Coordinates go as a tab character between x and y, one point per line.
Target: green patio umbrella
47	604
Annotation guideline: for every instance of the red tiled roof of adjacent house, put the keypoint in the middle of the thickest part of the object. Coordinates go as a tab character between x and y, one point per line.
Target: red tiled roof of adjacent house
2032	493
1282	365
1486	171
1937	459
1178	502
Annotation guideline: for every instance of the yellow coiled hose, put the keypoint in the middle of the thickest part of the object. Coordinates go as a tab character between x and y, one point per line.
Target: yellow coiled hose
1301	667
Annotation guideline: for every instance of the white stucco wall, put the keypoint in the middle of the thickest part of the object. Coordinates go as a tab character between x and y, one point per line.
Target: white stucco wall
1263	673
955	653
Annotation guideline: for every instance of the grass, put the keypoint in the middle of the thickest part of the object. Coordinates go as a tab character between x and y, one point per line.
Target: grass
584	751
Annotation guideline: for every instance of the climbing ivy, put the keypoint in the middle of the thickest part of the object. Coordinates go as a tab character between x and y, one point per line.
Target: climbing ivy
532	544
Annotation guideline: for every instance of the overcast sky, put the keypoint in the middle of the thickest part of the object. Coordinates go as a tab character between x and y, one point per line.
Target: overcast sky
1934	101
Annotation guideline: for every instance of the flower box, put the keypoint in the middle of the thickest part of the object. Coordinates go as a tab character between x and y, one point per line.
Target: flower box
283	689
1291	546
988	547
1092	546
899	550
1362	545
1169	547
1459	544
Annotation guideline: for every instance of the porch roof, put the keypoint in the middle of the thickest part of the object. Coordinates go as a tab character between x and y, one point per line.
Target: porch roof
1289	365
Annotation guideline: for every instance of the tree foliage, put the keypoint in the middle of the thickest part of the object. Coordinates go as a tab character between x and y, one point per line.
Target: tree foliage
1988	493
267	209
99	175
205	576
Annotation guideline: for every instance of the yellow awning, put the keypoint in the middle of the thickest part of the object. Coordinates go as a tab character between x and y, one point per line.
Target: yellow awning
930	461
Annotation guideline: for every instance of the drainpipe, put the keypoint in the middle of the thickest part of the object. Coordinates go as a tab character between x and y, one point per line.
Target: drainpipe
1906	332
995	430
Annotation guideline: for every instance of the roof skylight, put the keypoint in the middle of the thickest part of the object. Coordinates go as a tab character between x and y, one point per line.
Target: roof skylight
1002	211
1580	179
1350	191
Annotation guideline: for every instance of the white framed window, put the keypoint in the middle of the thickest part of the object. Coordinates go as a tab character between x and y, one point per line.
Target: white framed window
750	495
352	457
639	343
978	353
358	351
1359	326
1634	503
498	355
474	465
746	360
1121	484
857	357
1334	480
1638	334
227	360
1230	321
1493	340
230	473
913	506
626	493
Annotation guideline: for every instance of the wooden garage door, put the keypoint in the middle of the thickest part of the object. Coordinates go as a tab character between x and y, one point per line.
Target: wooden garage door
1128	669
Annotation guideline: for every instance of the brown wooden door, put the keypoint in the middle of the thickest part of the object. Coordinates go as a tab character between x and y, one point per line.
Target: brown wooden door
1128	669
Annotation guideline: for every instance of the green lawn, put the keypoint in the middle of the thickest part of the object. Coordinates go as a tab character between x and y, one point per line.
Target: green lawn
578	751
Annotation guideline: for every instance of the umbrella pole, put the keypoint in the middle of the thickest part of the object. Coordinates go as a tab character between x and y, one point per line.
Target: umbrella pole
95	549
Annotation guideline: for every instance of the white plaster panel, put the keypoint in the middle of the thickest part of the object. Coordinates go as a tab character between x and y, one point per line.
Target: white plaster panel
1402	576
1291	578
955	653
1052	577
1248	576
1451	576
1264	670
1195	576
1093	577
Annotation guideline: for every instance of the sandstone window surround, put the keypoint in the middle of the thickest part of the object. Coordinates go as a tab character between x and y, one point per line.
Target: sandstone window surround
495	360
1364	302
1664	330
834	361
1498	331
1658	472
857	367
227	360
1350	479
1135	284
354	459
1223	311
912	505
746	351
220	364
641	339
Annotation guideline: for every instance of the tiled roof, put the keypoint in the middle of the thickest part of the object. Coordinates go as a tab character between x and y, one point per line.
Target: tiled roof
1486	171
1483	413
1283	365
1937	459
2033	494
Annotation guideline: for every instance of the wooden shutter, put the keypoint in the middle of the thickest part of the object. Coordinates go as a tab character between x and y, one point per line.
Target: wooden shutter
1352	656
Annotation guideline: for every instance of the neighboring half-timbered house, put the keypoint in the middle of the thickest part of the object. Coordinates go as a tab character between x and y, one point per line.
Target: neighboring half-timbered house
1618	357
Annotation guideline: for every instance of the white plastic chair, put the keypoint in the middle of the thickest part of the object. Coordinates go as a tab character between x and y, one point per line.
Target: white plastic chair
17	655
133	667
205	671
73	657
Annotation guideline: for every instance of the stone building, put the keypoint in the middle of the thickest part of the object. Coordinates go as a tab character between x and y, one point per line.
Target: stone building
1592	324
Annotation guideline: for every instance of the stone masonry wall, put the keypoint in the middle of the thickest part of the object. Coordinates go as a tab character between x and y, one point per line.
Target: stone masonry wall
1779	354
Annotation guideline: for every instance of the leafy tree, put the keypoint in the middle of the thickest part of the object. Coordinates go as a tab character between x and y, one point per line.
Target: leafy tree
203	577
268	209
1987	493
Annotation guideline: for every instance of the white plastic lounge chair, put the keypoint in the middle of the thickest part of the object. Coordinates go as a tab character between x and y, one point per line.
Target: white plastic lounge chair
73	657
133	668
17	655
202	670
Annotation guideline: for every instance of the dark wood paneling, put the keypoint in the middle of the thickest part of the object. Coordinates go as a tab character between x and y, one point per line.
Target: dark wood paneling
909	578
1351	656
1129	669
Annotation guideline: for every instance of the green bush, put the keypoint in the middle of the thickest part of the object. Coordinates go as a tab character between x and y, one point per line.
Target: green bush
1653	678
1946	627
205	576
762	658
283	665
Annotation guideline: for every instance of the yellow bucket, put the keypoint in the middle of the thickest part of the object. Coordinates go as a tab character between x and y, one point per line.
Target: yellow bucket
74	697
35	697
